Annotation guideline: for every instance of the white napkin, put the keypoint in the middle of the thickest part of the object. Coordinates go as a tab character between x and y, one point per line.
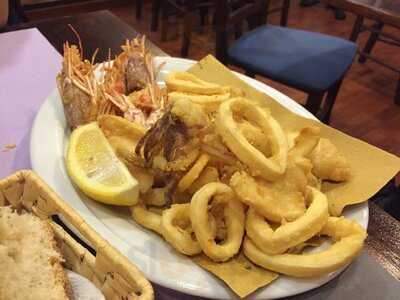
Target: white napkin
82	288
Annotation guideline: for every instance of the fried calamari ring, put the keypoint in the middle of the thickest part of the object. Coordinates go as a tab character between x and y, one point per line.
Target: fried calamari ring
271	167
350	238
290	234
315	241
217	219
255	136
187	180
234	220
146	218
209	174
180	238
188	83
209	102
115	126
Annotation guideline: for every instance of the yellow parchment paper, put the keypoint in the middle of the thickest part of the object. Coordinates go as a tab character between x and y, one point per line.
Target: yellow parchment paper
242	276
371	167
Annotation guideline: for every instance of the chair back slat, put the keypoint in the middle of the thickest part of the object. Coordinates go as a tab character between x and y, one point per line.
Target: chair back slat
231	14
241	14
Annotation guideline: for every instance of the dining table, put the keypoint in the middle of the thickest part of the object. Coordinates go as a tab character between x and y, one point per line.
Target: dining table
30	58
385	11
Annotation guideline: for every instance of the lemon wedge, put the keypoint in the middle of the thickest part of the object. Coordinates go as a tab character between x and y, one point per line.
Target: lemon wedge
96	170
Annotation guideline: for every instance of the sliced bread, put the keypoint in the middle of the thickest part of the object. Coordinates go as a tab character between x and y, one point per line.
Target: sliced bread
30	262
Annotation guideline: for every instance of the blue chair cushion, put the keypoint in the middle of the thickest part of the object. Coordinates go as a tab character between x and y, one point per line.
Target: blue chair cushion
305	60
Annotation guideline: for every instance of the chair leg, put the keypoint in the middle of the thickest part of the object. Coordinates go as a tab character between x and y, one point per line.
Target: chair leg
285	12
155	14
356	28
186	38
267	9
314	101
221	46
260	18
16	13
214	19
188	17
325	112
238	30
397	94
203	17
164	20
139	7
371	41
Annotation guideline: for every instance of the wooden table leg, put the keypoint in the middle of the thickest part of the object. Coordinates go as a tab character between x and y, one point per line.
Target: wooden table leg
356	28
371	41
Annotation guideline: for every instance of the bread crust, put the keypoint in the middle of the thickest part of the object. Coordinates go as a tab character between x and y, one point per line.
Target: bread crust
59	274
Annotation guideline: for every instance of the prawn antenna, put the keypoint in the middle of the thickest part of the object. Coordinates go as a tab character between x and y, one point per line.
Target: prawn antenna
78	38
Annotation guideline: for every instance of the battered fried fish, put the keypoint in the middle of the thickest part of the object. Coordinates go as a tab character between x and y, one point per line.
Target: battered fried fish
329	163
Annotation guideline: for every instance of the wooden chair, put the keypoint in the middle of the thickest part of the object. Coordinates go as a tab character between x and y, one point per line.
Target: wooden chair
16	13
376	34
311	62
186	10
283	10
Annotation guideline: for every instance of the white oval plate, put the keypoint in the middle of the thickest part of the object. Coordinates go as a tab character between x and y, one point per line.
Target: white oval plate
159	262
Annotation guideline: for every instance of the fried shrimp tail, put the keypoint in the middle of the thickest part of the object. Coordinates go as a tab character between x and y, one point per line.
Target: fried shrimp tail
130	84
82	100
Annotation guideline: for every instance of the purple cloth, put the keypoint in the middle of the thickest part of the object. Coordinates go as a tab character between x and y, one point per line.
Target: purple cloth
28	68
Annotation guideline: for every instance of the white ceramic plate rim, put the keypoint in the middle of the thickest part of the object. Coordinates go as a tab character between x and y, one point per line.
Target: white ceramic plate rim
48	138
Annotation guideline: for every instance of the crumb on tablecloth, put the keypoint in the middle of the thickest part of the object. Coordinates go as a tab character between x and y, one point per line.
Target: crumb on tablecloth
8	147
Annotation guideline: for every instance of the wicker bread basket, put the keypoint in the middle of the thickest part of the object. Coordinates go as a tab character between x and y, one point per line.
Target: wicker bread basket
109	270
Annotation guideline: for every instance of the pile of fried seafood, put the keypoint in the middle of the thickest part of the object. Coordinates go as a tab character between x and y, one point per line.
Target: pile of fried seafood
217	172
